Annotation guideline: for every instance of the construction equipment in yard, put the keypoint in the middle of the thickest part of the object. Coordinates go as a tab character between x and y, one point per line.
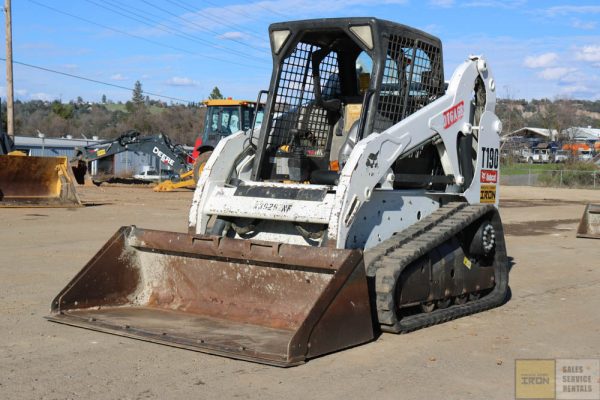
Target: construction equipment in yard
172	156
186	180
296	249
589	226
29	181
223	117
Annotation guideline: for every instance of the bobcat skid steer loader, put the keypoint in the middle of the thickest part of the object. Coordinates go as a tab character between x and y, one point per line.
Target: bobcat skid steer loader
367	201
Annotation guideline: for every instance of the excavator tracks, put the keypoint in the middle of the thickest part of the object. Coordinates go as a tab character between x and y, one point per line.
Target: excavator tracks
387	261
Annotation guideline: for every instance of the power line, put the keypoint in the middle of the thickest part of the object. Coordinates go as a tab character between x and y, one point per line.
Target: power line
255	4
211	17
159	25
191	8
205	14
198	25
143	38
270	10
181	32
109	28
94	80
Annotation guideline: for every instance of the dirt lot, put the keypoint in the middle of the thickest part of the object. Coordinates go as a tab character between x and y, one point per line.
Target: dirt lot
553	313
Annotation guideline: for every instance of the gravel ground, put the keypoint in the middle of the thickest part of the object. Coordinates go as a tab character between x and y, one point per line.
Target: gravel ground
553	313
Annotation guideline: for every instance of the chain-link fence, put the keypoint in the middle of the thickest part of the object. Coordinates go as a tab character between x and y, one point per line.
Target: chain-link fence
555	178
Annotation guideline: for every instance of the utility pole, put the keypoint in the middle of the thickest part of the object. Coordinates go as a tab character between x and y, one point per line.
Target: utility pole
10	99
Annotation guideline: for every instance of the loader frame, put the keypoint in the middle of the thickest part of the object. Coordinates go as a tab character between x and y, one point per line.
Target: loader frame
291	253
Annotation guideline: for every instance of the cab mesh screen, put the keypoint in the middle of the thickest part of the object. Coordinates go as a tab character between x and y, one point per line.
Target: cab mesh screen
411	80
295	105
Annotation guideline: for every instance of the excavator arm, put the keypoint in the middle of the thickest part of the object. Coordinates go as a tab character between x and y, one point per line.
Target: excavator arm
172	156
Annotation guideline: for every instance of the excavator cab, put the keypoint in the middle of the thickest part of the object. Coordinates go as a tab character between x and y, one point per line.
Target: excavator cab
227	116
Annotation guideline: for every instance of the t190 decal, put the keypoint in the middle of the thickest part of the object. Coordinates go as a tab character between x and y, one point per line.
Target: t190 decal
489	157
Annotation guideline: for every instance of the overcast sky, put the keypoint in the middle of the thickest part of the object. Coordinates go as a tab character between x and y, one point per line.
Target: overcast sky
183	48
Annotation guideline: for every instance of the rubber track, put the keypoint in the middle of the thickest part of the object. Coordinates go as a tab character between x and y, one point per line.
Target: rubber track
388	260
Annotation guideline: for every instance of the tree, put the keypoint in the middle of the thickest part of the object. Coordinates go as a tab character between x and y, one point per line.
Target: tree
215	94
511	115
103	99
558	115
64	111
138	94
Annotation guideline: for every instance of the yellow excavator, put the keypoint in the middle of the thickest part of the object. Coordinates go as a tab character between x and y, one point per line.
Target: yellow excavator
223	117
28	181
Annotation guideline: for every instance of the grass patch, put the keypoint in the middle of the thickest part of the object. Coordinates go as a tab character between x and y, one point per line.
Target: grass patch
115	107
577	174
524	168
571	174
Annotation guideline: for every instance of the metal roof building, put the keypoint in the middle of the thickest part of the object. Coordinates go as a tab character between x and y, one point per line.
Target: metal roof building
578	133
50	147
529	132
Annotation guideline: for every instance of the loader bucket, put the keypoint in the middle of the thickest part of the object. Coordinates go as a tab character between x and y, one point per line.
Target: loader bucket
589	226
265	302
36	182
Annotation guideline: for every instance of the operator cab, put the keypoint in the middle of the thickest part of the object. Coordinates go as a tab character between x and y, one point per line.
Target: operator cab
227	116
334	82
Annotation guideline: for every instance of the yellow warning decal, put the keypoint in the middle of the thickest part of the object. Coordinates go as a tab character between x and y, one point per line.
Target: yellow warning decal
100	152
467	262
487	194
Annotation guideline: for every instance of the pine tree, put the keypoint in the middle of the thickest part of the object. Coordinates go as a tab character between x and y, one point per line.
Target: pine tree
103	99
215	94
138	94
